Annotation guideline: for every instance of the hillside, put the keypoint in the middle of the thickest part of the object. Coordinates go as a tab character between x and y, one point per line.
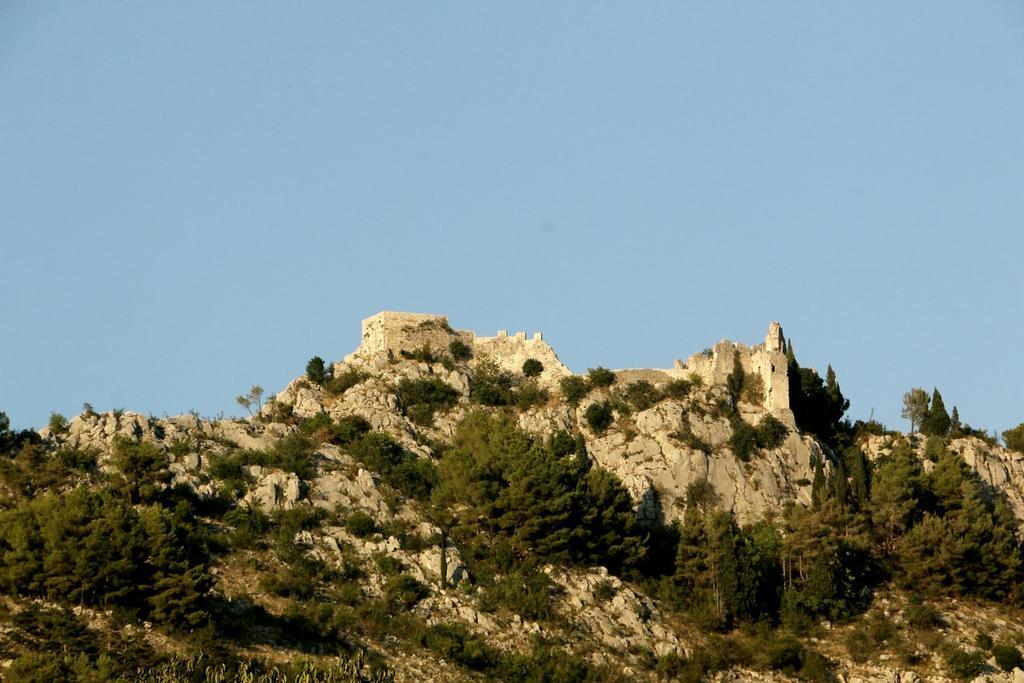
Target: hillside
444	506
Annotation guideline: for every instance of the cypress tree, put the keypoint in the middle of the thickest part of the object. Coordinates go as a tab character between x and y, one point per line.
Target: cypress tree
936	422
954	423
818	486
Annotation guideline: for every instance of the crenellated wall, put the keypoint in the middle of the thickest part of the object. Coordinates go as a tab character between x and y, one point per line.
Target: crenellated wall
387	334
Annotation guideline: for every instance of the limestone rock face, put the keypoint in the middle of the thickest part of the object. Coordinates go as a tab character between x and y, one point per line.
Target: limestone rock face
275	490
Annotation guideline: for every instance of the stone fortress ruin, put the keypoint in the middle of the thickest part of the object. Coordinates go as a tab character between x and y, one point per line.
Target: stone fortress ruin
391	335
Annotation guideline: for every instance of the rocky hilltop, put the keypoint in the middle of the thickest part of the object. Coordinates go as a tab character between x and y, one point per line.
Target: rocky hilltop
719	430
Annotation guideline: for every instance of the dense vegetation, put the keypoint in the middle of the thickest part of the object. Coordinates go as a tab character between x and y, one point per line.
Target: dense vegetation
126	542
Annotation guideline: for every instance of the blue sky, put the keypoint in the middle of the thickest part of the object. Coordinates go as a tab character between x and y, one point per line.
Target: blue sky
196	197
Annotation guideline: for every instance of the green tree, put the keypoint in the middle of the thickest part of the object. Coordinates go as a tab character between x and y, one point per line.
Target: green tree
896	488
459	350
316	370
574	389
532	367
1014	438
936	421
600	377
599	416
253	398
954	423
734	382
915	407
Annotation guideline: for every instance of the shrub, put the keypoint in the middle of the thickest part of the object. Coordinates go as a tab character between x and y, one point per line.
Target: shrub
771	432
530	394
412	476
983	641
343	382
423	354
421	398
598	416
743	440
455	643
349	428
403	592
459	350
642	394
1007	657
532	367
962	664
58	424
316	370
490	385
859	645
574	389
600	377
677	388
528	592
921	616
360	524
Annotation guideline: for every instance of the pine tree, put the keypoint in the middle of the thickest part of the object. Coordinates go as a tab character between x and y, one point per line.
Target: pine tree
915	407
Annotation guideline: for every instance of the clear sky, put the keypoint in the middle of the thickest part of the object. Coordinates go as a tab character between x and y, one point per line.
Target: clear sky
199	196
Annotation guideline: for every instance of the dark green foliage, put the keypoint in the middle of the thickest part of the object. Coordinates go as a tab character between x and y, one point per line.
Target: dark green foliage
423	354
250	525
818	406
526	591
600	377
1014	438
962	664
857	466
725	574
455	643
574	389
642	395
95	548
11	440
459	350
348	429
421	398
410	475
771	432
919	615
402	592
343	382
734	382
58	424
32	468
532	367
747	440
936	421
142	467
1007	656
490	385
316	370
360	524
521	499
529	394
677	388
743	440
599	416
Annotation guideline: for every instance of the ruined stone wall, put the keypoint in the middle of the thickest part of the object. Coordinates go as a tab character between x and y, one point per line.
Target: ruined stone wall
766	360
391	333
511	351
